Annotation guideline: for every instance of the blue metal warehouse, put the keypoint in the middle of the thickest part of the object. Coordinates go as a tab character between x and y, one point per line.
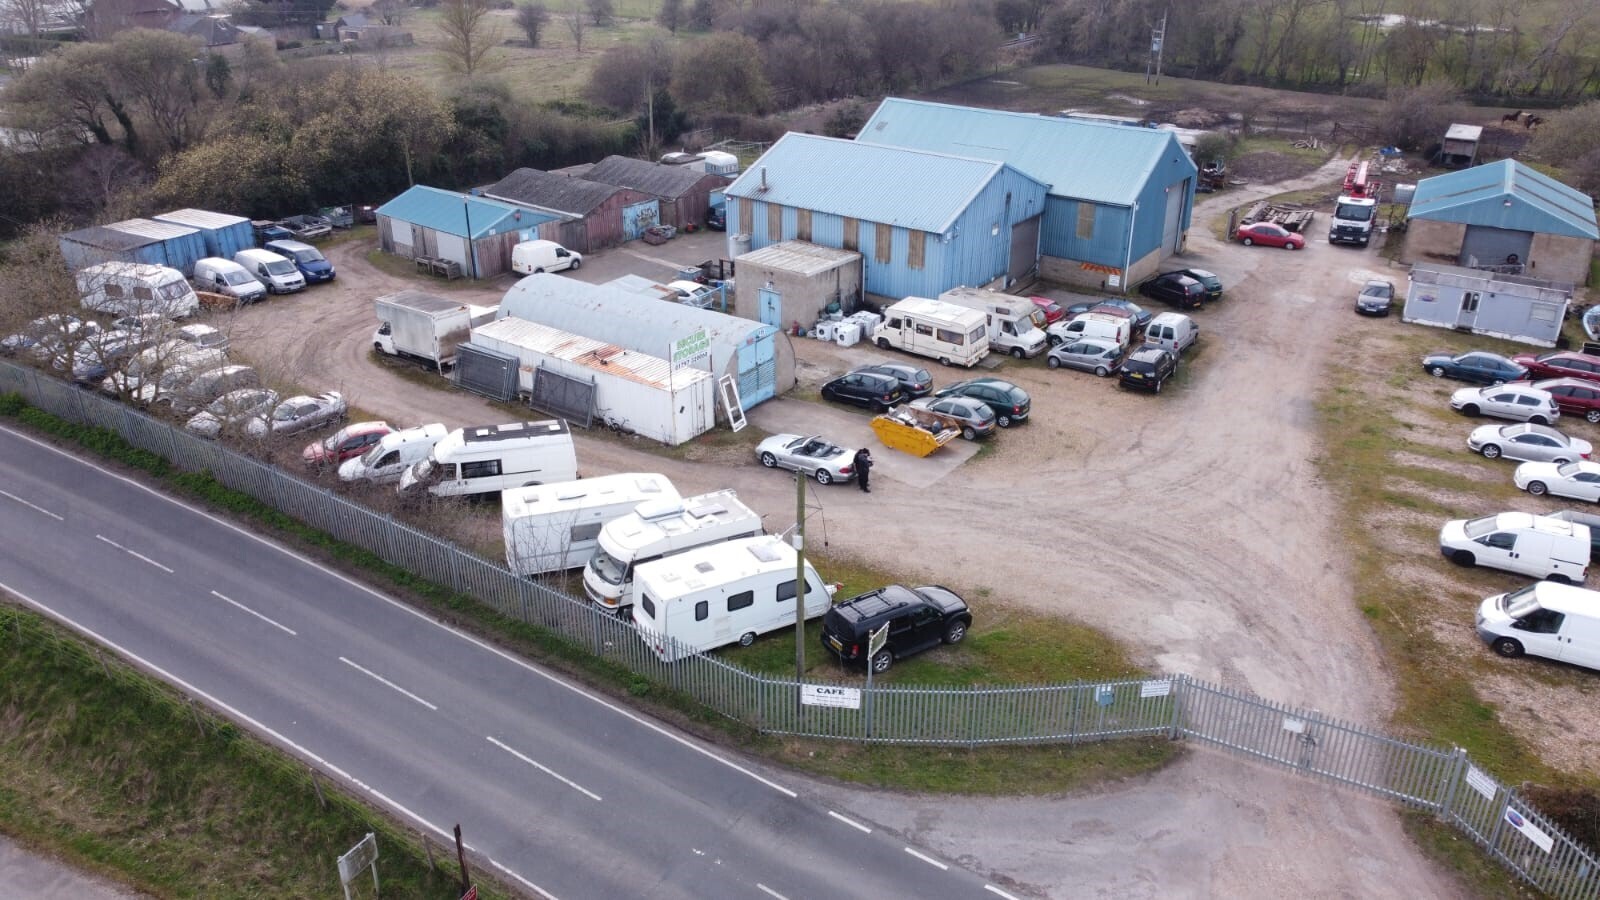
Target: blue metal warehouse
137	241
1120	196
441	224
923	222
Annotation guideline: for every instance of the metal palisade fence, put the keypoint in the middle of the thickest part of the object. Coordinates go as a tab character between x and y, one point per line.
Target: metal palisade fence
1436	780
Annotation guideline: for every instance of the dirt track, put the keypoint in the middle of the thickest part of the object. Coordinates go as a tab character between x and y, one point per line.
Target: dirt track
1189	525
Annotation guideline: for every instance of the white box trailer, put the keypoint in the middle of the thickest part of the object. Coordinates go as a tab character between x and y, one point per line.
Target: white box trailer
659	529
422	326
723	594
954	335
555	527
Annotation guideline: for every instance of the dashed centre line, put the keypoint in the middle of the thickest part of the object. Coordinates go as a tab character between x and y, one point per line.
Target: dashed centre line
134	554
856	825
382	680
994	890
547	770
770	892
929	860
252	612
33	506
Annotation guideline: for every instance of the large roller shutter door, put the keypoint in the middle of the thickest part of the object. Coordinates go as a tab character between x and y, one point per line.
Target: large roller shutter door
1173	223
1024	248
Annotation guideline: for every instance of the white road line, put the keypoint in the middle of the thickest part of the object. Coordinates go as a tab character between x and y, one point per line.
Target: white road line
929	860
547	770
994	890
856	825
530	885
252	612
138	556
31	506
379	678
770	892
402	607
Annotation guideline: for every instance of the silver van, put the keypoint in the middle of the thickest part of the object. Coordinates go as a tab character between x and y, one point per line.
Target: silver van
279	275
226	277
1172	331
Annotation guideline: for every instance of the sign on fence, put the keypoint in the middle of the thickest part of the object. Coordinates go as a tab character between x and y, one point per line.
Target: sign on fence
1150	689
1515	820
1480	782
830	695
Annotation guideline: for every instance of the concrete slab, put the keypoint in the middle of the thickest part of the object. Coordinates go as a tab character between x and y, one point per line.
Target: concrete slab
849	427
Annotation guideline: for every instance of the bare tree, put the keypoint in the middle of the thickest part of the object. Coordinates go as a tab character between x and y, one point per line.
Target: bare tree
469	36
532	18
671	15
602	12
577	23
26	15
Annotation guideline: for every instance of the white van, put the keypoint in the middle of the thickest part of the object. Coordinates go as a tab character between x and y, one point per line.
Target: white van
723	594
133	289
1519	542
1093	325
1556	621
554	527
491	458
655	530
226	277
279	275
1172	331
531	257
393	454
1016	325
954	335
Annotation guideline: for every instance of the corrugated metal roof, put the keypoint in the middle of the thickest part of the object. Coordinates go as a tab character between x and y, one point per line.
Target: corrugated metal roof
1459	132
916	189
102	238
1506	194
799	257
448	211
1078	159
600	356
149	228
422	301
652	178
575	196
203	219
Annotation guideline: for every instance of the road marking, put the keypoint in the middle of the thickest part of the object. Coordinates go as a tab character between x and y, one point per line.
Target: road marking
32	506
252	612
928	859
994	890
139	556
379	678
548	771
417	613
856	825
770	892
534	887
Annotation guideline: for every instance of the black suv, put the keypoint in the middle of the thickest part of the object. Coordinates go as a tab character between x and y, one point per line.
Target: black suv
918	618
1175	288
1148	367
875	392
916	382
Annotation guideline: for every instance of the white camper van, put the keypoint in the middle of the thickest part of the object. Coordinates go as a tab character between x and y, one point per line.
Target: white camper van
657	529
1519	542
555	527
393	454
1556	621
954	335
492	458
1016	325
131	289
723	594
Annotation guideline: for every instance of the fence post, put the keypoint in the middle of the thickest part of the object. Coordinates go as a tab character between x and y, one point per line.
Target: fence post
1493	843
1452	784
1180	684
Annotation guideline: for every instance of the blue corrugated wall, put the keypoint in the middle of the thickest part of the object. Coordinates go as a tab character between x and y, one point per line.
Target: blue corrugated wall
1107	244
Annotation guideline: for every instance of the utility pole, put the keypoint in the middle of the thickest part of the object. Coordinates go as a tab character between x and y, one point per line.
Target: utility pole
799	581
1158	36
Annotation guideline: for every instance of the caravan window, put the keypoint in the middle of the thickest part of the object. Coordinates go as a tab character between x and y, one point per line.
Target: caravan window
177	290
648	605
786	592
976	333
583	533
113	289
702	610
143	293
741	600
924	330
950	337
487	468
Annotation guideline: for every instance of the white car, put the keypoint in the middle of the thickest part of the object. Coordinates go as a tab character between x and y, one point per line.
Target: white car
693	293
232	408
1578	480
206	337
1528	443
1518	402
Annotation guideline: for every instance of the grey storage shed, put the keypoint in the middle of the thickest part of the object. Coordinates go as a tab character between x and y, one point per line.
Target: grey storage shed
1513	307
796	282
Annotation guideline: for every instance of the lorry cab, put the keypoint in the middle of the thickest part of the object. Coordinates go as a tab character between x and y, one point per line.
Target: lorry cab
1555	621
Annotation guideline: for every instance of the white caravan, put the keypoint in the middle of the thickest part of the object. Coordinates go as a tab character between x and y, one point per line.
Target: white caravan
393	454
723	594
555	527
491	458
654	530
132	289
954	335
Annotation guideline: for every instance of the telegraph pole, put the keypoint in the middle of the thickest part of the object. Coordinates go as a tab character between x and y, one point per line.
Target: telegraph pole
1158	38
799	580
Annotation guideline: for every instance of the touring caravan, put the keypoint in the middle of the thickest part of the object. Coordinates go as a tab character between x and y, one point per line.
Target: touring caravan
131	289
491	458
555	527
723	594
657	529
954	335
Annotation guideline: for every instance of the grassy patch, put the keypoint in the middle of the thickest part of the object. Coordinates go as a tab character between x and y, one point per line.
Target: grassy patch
1262	143
1489	879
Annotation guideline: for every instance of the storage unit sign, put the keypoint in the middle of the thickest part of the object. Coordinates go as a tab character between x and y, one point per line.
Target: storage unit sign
690	349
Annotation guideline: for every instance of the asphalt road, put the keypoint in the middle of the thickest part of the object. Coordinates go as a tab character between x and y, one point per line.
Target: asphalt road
558	789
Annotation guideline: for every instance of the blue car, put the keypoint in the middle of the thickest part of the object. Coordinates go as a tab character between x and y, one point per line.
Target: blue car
308	259
1476	366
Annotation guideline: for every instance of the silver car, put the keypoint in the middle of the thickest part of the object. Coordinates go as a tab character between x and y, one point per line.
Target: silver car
299	414
231	409
1518	402
975	417
815	456
1529	443
1097	355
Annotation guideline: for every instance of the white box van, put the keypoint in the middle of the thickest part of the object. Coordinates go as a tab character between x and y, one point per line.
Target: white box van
954	335
1092	325
555	527
492	458
655	530
723	594
530	257
133	289
393	454
1519	542
1556	621
1016	325
226	277
278	274
1172	331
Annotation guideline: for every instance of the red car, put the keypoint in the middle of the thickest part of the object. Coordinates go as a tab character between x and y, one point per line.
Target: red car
1574	396
1052	310
1268	234
347	443
1560	364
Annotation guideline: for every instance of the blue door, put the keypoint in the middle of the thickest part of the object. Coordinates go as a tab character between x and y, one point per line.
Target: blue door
771	308
638	217
758	369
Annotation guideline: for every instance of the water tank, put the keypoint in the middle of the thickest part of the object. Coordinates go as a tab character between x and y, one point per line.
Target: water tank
717	162
1404	193
738	245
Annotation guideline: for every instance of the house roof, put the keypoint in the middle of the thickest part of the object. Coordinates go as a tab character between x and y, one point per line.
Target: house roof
575	196
915	189
670	182
1079	159
212	30
449	212
1509	195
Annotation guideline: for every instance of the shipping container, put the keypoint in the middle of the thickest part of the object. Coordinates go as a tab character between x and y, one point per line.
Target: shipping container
181	246
224	234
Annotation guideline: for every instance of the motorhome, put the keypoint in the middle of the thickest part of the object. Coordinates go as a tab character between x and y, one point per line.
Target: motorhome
954	335
1556	621
555	527
1016	325
492	458
393	454
723	594
131	289
657	529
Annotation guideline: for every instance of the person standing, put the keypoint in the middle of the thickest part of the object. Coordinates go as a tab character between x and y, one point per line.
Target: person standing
863	466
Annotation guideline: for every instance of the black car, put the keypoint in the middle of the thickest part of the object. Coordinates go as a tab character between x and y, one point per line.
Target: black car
1212	283
914	382
875	392
717	218
1148	367
1175	288
918	618
1476	366
1009	402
